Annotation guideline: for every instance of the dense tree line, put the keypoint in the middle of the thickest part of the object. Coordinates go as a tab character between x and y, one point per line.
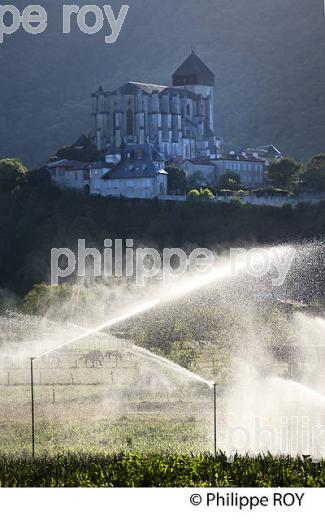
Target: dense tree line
36	216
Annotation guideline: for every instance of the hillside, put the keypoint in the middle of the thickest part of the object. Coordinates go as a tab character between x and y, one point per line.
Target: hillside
268	58
36	217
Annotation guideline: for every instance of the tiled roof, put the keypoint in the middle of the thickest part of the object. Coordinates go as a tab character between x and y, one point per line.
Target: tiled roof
239	158
268	150
133	87
68	165
203	162
193	66
139	162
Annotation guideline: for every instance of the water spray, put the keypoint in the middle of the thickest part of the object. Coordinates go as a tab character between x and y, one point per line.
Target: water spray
182	288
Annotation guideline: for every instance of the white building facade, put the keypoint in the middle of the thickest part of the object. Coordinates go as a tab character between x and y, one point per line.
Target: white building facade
250	169
133	171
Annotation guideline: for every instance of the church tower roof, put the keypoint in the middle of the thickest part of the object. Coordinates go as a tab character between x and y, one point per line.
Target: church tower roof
193	72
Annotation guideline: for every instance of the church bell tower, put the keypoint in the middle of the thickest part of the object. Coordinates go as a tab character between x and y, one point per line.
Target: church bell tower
194	76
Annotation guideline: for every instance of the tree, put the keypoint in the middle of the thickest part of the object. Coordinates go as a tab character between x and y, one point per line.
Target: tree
196	180
201	194
184	353
176	179
313	176
230	181
193	195
8	300
60	302
284	173
206	194
82	150
39	177
12	171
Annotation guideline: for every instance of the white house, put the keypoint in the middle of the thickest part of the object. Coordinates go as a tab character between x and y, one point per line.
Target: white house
133	171
249	168
70	174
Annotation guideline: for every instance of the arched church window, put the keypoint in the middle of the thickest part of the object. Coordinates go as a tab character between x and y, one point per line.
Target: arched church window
129	122
114	121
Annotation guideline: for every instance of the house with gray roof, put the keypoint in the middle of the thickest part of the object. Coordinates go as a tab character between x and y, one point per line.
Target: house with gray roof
249	168
267	153
137	171
139	174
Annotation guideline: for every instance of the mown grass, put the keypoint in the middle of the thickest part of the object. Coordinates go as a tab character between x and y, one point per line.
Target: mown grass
138	470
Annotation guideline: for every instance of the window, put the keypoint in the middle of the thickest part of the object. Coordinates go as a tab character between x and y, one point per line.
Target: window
129	122
188	109
97	184
130	183
112	183
115	123
76	176
146	183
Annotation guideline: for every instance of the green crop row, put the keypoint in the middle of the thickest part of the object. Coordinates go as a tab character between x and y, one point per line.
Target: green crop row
136	470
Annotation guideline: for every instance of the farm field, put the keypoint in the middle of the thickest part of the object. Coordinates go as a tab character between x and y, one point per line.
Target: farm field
110	404
173	470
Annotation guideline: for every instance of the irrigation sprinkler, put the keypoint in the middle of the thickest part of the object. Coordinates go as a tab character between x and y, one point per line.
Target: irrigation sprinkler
33	404
215	418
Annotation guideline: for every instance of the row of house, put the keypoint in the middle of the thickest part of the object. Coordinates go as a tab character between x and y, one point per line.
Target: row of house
138	171
139	126
250	165
133	171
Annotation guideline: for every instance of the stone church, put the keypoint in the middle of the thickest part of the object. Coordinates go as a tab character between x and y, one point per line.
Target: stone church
177	120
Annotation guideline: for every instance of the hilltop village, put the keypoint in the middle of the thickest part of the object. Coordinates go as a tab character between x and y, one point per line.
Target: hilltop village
138	128
156	141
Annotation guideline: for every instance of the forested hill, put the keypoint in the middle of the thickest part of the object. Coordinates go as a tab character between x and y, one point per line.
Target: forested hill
36	216
268	57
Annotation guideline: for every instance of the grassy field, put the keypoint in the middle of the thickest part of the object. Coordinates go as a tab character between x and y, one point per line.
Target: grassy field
138	470
110	435
125	424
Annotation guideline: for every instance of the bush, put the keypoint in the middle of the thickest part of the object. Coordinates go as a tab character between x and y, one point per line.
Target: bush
201	194
230	181
173	470
270	192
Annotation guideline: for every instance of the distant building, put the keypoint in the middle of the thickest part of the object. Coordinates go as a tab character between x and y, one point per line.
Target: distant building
267	153
133	171
70	174
250	169
177	120
139	174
